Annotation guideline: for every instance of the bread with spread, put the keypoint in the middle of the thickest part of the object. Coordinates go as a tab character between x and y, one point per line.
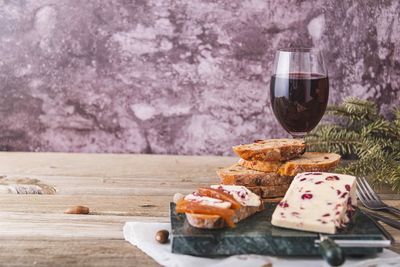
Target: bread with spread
218	206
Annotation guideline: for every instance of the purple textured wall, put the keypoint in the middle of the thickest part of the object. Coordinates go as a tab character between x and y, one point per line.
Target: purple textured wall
181	77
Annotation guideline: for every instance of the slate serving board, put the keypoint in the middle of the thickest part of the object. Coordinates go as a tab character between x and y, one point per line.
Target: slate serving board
256	235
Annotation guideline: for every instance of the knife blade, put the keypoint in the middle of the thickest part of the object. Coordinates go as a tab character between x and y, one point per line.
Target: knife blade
387	220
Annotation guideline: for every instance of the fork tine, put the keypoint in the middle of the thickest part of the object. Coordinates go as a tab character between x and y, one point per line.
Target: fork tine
363	189
370	190
361	198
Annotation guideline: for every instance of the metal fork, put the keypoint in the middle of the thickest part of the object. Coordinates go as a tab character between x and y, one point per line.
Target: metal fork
370	199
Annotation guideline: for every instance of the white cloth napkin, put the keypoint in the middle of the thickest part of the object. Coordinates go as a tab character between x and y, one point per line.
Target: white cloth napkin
142	235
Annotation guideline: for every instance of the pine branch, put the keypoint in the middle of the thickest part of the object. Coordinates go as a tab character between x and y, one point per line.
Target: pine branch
334	138
362	133
355	110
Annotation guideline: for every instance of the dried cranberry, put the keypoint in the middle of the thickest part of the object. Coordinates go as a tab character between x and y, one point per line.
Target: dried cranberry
338	192
326	215
283	204
347	187
338	212
316	173
349	201
343	195
302	179
306	196
319	182
326	157
307	191
332	178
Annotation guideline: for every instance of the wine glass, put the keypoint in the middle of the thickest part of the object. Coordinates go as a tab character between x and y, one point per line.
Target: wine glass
299	89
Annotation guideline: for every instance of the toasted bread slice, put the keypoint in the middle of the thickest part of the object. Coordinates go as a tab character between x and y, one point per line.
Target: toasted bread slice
271	150
263	166
215	221
239	175
270	191
308	162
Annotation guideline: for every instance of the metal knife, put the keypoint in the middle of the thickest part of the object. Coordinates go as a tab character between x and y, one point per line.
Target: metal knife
387	220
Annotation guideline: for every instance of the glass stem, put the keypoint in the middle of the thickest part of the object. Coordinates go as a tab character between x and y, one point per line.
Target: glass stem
298	135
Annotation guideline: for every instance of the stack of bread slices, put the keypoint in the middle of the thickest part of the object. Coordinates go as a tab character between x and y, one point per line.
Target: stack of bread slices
267	167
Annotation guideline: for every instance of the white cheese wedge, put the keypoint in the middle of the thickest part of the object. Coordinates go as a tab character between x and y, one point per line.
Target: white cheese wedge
241	194
208	201
317	202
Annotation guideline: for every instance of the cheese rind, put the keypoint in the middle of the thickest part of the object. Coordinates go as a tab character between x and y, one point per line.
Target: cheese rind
317	202
241	194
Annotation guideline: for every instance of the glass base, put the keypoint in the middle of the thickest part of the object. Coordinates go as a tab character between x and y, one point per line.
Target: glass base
298	135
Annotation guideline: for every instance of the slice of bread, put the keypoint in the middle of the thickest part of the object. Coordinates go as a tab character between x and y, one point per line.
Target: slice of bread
262	166
215	221
308	162
270	191
239	175
212	207
271	150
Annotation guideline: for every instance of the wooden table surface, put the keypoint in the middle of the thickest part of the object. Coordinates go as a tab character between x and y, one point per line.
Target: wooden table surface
117	188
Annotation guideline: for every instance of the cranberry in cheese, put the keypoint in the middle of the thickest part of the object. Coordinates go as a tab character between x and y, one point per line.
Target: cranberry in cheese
317	202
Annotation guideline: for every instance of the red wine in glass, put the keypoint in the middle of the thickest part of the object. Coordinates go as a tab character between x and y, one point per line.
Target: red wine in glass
299	90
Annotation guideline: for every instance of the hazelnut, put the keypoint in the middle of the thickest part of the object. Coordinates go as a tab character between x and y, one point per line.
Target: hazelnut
162	236
77	210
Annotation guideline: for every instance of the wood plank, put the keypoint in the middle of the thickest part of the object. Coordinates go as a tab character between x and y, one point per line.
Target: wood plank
67	226
396	235
87	185
73	252
111	165
150	206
